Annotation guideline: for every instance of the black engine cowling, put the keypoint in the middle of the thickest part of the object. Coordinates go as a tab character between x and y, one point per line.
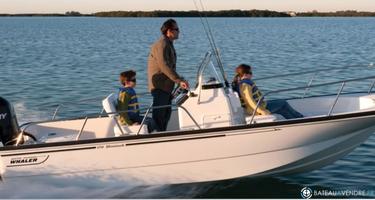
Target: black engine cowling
9	129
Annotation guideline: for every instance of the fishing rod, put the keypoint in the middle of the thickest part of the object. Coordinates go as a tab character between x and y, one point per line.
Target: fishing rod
210	37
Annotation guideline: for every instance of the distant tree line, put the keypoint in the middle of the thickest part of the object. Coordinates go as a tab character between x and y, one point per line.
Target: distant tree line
193	13
33	15
67	14
346	13
222	13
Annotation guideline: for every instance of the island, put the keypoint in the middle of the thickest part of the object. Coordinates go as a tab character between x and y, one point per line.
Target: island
194	13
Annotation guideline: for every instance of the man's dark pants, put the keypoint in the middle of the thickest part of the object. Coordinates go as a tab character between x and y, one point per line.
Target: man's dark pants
161	116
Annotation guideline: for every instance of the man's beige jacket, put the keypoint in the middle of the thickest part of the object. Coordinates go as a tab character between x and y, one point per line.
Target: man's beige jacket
162	66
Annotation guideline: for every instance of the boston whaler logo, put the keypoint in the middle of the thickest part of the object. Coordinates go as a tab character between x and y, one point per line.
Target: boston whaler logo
22	161
3	116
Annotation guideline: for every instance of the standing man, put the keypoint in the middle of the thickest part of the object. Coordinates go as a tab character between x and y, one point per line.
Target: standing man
162	74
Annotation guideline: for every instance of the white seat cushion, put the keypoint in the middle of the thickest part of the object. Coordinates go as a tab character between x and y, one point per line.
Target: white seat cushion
110	103
109	106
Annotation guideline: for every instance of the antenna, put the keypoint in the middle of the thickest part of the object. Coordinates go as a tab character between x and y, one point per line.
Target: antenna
211	40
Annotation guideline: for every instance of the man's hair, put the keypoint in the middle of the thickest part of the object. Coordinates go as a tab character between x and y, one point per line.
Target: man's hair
243	69
126	76
169	24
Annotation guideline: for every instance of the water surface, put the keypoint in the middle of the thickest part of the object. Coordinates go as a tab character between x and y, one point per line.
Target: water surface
50	61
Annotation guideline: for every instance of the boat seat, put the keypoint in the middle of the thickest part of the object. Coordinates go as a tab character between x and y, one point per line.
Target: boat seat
130	130
264	118
57	137
109	106
367	102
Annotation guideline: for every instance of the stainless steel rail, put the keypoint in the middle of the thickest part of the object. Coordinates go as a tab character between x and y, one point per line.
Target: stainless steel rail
336	99
83	127
88	117
156	107
315	71
371	87
143	120
315	86
206	60
308	85
59	106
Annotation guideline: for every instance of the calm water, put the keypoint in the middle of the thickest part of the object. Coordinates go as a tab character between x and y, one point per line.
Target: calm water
75	62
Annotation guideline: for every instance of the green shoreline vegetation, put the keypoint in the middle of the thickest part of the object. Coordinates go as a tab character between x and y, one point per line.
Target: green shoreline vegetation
221	13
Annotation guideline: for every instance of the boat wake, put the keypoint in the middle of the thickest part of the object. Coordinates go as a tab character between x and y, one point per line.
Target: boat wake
25	114
73	187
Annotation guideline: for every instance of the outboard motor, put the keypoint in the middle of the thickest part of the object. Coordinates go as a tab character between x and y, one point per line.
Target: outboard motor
9	129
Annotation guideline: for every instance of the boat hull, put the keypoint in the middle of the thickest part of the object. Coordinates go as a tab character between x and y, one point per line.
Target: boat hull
264	151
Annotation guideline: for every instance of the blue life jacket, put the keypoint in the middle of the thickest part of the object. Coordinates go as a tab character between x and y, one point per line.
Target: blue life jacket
236	88
133	106
256	92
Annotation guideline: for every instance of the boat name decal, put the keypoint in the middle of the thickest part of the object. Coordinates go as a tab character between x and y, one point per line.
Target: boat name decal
3	116
108	146
114	145
32	160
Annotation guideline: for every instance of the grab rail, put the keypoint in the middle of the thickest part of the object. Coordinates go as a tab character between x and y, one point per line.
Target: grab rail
59	106
166	106
371	87
87	117
313	71
203	64
308	85
314	86
143	120
81	131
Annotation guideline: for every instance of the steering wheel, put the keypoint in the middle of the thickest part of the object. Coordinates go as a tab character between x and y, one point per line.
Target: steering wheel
180	95
177	91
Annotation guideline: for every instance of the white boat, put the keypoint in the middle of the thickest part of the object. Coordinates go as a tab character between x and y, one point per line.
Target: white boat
209	138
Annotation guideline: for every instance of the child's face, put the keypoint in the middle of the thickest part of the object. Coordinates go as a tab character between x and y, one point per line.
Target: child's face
131	83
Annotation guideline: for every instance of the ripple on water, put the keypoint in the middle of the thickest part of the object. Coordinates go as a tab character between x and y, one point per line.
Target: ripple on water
50	61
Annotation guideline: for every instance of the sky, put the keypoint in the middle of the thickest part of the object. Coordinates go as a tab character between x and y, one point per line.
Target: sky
91	6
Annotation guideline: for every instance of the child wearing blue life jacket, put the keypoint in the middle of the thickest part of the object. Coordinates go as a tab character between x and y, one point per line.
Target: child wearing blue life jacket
128	101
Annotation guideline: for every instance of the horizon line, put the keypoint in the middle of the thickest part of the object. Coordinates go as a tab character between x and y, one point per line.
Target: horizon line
90	13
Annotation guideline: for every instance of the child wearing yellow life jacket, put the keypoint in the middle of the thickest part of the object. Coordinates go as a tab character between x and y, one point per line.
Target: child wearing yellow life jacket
251	95
249	92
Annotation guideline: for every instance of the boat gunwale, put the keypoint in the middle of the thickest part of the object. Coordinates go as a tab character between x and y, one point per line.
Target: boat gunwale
218	130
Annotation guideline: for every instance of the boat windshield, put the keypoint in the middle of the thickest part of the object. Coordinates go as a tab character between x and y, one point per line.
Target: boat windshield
207	72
